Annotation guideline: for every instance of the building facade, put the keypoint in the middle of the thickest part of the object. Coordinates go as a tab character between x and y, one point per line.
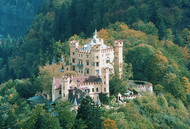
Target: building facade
93	63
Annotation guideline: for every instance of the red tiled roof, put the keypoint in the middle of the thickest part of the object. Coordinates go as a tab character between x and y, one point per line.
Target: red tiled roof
84	79
77	80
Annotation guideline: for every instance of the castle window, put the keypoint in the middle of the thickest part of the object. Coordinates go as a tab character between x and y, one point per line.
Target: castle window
73	53
96	57
81	55
104	89
92	89
97	63
92	63
63	95
104	83
60	92
67	69
96	89
87	56
63	88
87	70
97	72
107	61
73	68
87	62
104	76
79	70
73	60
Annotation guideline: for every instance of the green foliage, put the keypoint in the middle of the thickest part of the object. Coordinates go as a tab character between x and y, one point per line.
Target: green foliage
104	98
18	15
140	57
116	85
63	113
25	88
148	28
40	119
158	89
89	113
151	54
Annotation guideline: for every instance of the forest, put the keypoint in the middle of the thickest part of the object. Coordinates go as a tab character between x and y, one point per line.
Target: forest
17	16
156	36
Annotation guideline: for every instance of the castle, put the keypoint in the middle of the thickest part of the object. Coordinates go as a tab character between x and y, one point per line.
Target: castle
93	63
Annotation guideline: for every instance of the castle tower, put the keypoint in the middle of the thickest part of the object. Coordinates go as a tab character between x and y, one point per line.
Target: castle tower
73	46
65	88
96	59
105	80
53	90
118	55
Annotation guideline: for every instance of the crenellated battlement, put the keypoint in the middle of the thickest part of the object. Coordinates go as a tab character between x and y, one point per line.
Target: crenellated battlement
96	47
118	43
90	83
74	43
107	50
83	51
66	78
106	69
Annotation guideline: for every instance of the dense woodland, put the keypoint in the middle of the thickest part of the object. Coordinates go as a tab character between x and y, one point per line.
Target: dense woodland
17	16
156	36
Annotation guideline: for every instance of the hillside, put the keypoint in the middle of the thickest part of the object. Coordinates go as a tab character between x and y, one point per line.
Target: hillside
17	16
156	38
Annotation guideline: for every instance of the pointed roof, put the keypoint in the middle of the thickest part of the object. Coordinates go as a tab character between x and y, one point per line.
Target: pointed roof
61	59
75	102
98	101
54	60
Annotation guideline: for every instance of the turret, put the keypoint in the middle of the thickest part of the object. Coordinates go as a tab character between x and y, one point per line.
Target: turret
105	80
74	43
73	54
65	88
118	55
53	89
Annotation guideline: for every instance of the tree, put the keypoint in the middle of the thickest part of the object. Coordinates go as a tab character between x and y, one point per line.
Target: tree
172	84
25	88
116	85
63	113
109	124
104	98
148	28
17	64
89	113
159	66
46	76
141	57
119	118
162	101
40	119
185	83
158	89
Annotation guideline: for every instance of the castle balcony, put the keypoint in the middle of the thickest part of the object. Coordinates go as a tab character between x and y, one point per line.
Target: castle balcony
79	65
